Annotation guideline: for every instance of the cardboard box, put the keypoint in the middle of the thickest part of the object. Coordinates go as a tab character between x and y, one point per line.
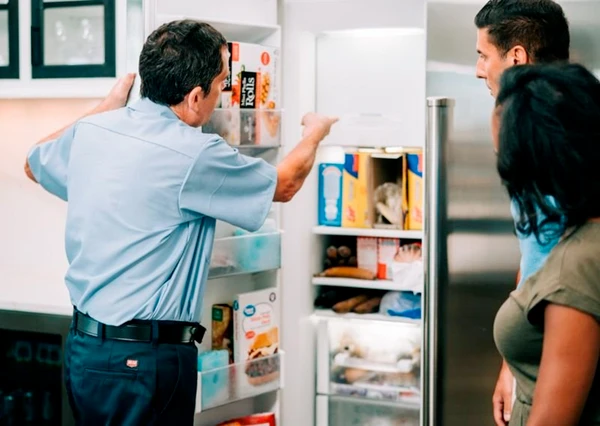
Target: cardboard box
256	334
413	193
355	181
386	191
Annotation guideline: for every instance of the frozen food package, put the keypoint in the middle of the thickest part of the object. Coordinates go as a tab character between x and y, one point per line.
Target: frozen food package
263	419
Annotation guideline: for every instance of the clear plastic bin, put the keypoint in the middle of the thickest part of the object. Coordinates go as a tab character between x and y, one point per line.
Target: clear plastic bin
245	254
246	127
239	381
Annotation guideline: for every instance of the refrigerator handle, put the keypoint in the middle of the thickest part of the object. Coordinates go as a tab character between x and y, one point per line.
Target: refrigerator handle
439	120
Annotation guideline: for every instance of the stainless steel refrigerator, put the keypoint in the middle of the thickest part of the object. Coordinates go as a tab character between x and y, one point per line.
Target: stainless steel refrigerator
472	252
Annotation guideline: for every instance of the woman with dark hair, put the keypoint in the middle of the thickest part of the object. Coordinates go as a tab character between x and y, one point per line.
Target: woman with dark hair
547	135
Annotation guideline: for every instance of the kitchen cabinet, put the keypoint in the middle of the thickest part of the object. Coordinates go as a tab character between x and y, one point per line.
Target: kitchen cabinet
9	39
65	48
72	38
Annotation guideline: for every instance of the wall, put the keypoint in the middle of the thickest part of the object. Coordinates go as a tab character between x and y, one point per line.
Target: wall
31	221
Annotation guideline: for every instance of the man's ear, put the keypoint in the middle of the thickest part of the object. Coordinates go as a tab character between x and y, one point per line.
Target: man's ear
194	98
519	55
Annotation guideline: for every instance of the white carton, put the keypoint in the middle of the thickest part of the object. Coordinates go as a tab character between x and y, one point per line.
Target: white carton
256	335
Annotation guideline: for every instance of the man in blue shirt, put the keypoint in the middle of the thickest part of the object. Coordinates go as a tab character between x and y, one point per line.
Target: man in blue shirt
144	188
517	32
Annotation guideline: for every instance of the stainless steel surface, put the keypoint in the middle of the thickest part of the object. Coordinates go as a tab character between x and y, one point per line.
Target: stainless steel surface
482	251
439	118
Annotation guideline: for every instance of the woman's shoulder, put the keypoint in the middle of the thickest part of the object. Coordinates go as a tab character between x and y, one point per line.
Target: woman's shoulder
571	274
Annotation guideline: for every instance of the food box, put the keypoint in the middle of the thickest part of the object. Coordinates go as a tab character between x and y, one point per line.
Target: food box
256	335
222	329
413	194
253	86
354	192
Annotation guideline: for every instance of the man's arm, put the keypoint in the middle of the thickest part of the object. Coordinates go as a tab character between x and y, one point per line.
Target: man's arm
295	167
115	99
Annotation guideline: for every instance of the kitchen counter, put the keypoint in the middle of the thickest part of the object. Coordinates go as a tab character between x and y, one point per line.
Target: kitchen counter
26	291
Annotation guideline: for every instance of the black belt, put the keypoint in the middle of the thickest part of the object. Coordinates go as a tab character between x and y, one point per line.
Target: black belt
140	331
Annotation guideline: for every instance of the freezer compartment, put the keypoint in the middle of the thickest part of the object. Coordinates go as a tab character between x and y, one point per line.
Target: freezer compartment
343	411
370	359
225	385
245	254
246	127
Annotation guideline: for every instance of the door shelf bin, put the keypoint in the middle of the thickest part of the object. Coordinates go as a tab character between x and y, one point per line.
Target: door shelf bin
246	127
234	382
378	360
245	254
343	411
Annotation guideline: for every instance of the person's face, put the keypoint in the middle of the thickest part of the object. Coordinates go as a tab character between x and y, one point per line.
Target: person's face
201	106
491	63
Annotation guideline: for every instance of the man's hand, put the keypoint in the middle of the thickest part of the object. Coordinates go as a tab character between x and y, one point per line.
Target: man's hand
118	95
318	124
502	399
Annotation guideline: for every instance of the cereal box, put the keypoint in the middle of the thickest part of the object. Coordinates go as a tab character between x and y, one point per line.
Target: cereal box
413	195
355	189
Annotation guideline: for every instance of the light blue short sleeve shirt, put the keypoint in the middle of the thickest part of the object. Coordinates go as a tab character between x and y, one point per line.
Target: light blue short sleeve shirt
144	191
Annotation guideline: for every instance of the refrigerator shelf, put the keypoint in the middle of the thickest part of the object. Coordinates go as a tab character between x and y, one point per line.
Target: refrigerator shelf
403	366
242	127
361	130
409	397
356	283
245	254
231	29
368	232
225	385
329	314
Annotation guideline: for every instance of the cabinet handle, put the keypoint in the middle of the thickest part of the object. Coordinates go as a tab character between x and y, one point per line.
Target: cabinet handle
36	47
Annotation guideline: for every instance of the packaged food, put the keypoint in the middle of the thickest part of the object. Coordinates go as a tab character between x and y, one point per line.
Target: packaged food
387	248
354	192
222	328
413	195
263	419
366	253
250	99
256	333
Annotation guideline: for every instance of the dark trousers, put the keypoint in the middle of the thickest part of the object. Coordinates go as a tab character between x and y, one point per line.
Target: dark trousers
111	382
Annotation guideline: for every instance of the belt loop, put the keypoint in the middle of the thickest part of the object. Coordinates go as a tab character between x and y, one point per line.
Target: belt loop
155	332
74	321
101	331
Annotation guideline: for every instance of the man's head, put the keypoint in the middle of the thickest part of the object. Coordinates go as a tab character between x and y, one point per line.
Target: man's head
518	32
184	65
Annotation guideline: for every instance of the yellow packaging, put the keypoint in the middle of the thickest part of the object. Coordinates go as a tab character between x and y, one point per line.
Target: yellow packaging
355	181
413	193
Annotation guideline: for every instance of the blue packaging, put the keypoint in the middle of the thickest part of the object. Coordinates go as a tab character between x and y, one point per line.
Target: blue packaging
330	194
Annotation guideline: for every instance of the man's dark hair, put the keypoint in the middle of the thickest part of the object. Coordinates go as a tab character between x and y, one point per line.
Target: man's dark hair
549	145
177	57
540	26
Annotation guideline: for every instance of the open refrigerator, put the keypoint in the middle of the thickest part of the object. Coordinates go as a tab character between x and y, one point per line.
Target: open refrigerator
365	62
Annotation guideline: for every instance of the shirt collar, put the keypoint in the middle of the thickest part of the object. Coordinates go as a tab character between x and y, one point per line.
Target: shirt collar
147	106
